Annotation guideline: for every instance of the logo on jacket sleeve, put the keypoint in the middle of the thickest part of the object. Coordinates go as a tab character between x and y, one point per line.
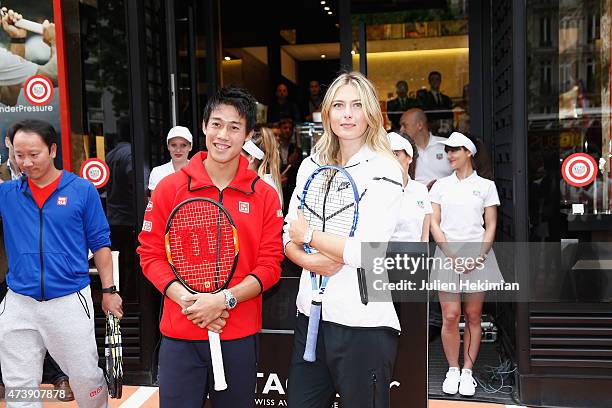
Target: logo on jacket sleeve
147	226
62	200
243	207
149	206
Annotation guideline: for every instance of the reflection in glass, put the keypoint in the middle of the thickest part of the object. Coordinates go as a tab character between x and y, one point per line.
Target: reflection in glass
420	58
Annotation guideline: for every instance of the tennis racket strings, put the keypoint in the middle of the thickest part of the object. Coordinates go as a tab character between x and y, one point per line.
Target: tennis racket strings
329	202
202	244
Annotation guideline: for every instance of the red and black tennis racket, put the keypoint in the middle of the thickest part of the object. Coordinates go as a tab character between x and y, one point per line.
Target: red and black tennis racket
202	248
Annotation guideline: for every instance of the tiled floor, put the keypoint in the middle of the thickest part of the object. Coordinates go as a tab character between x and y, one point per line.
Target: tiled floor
147	397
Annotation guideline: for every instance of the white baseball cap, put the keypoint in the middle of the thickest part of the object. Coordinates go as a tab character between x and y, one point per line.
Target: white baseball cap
399	142
180	131
457	139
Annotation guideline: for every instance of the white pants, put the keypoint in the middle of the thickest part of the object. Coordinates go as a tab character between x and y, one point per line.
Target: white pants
65	327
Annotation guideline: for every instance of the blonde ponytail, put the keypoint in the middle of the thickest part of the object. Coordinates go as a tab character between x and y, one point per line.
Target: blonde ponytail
265	140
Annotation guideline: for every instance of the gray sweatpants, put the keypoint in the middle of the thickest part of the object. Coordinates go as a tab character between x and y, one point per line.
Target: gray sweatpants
65	327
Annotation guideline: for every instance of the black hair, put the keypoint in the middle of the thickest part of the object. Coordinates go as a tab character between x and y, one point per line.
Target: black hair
43	129
237	97
481	161
432	73
415	155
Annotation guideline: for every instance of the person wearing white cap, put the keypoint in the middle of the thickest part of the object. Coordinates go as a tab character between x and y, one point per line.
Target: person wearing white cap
264	158
413	223
464	211
179	142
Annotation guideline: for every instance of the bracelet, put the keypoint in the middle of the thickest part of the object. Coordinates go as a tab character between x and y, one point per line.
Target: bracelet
112	290
15	40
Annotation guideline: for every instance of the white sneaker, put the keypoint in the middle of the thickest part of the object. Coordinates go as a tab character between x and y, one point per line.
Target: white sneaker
467	385
451	383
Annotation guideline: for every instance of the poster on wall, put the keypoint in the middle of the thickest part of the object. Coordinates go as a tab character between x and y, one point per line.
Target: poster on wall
32	75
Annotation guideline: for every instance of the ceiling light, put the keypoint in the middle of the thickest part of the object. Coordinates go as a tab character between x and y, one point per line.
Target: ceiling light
323	56
323	2
352	52
227	58
326	8
329	12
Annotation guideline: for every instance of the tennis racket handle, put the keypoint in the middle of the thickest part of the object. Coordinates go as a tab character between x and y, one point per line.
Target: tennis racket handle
30	26
310	352
217	361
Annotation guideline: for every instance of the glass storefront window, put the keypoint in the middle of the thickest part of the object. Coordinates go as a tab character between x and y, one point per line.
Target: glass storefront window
569	108
407	51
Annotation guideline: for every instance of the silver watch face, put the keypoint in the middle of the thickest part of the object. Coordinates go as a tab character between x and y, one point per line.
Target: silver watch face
231	302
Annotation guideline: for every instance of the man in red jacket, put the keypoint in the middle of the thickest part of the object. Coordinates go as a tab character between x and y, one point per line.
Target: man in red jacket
185	375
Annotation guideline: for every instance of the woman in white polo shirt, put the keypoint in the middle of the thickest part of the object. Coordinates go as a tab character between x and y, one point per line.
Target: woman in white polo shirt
413	224
464	211
357	340
264	158
179	142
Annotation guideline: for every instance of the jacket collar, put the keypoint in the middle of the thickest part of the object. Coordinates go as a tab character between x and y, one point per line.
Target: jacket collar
198	177
363	155
67	178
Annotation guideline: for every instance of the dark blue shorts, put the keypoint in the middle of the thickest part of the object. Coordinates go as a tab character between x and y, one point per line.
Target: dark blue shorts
186	379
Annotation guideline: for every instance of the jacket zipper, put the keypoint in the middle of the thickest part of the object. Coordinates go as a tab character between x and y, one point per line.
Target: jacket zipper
373	390
40	248
217	273
42	265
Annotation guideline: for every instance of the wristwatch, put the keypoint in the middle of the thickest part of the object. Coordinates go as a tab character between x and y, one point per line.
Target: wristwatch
308	236
110	289
230	300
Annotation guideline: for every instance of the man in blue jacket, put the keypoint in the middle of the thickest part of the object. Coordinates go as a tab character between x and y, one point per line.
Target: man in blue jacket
51	219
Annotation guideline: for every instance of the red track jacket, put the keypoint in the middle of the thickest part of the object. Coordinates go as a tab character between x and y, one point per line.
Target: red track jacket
255	208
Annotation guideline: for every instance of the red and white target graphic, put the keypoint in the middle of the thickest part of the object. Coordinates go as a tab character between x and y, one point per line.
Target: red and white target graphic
38	90
96	171
579	169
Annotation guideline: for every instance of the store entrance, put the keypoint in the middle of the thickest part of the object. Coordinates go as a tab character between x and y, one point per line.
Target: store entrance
418	43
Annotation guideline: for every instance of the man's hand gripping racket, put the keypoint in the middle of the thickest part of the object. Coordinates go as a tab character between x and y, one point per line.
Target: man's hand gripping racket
202	248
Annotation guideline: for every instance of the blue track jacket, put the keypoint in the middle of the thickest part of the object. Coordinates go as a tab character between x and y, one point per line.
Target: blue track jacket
47	248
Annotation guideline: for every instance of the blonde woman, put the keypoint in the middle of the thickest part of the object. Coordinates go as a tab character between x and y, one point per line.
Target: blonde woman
357	340
264	158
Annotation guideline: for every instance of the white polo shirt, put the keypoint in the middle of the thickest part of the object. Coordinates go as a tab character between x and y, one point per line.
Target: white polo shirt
462	204
158	173
415	206
380	177
14	70
432	163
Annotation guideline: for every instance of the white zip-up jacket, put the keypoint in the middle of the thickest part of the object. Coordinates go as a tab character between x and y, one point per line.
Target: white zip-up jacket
381	178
